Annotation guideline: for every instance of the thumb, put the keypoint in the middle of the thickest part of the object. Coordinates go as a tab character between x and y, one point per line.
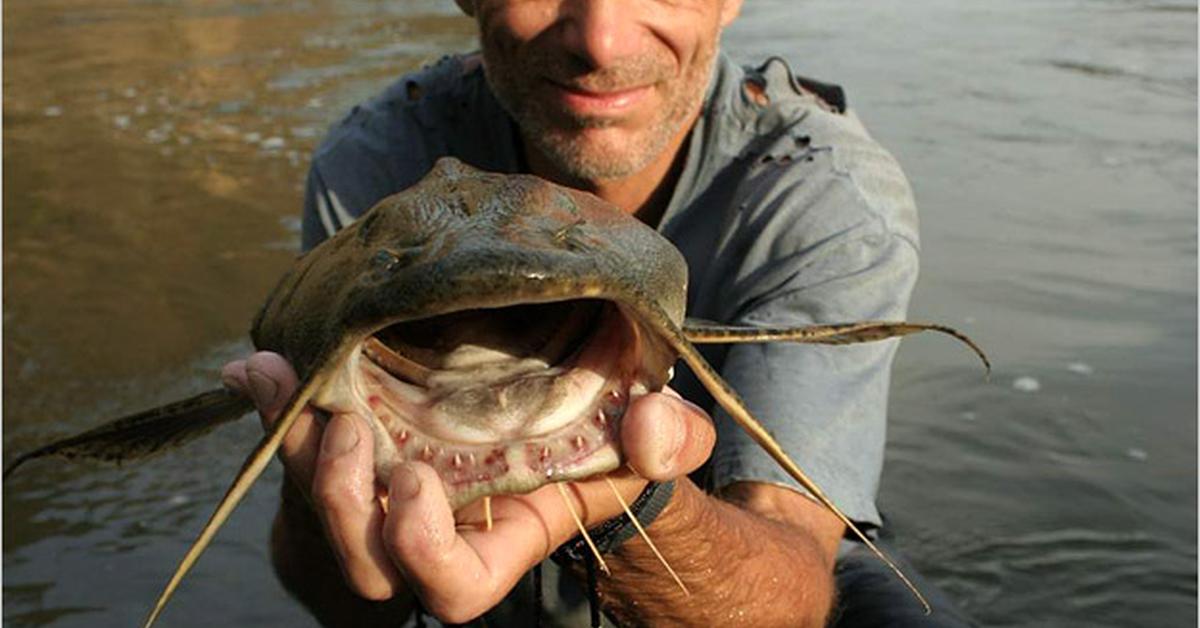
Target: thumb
665	437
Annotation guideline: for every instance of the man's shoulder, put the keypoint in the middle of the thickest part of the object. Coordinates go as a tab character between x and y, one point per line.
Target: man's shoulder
794	138
410	107
387	143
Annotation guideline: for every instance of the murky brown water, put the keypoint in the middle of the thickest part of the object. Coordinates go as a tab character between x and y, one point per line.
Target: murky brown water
154	153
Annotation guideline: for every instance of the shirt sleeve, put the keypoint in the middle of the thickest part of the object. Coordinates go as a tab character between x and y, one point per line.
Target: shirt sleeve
359	163
378	148
318	222
828	250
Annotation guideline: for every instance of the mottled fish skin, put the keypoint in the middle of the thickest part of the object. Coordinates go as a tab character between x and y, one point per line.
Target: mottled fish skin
463	239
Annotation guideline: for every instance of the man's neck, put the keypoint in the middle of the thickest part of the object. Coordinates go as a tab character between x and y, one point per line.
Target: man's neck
644	194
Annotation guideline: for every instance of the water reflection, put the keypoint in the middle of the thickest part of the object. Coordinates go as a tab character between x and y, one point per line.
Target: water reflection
154	156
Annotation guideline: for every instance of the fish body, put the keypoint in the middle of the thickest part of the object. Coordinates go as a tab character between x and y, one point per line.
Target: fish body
492	326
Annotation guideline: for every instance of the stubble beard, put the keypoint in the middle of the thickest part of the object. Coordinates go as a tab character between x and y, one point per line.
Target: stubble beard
558	135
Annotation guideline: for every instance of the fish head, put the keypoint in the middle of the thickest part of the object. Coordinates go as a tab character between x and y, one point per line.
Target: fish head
493	326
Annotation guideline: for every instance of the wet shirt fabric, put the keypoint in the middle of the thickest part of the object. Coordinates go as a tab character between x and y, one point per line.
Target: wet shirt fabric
787	212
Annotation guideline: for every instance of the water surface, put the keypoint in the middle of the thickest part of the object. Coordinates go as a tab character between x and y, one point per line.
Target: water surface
154	154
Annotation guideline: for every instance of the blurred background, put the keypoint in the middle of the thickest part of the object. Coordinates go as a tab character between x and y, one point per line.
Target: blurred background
154	152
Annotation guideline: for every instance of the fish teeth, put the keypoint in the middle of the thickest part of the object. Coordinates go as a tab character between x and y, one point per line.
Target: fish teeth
613	407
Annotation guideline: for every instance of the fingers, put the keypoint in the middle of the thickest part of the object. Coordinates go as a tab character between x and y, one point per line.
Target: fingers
664	437
261	377
334	465
344	496
269	380
458	573
422	539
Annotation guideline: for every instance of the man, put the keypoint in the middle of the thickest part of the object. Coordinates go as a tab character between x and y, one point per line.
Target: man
787	213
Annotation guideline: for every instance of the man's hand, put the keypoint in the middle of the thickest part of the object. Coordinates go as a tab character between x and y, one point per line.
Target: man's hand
457	568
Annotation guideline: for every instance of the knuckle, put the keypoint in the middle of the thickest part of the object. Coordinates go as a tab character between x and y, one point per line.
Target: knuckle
395	546
331	499
261	360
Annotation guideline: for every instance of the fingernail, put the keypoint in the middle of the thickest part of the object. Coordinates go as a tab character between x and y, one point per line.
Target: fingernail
405	482
340	437
262	388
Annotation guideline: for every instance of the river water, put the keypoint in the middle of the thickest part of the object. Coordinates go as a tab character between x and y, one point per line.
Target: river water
154	153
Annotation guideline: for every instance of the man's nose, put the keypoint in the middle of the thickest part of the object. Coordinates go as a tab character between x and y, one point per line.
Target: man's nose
601	32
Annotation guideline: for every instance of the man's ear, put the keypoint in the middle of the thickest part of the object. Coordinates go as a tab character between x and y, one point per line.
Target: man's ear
468	6
729	11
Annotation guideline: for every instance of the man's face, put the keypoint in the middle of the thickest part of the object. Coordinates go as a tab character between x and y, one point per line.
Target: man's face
601	87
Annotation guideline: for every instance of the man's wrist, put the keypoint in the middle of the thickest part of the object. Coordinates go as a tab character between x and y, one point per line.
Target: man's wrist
611	534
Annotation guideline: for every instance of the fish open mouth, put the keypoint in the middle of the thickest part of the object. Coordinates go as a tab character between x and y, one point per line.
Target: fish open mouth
501	400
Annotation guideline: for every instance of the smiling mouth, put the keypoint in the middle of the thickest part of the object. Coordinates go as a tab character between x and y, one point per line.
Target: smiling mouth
583	100
502	400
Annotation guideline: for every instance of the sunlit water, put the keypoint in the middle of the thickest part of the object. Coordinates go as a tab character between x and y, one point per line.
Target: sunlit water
153	159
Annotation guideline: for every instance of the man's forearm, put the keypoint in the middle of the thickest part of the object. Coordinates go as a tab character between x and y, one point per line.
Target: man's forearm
741	568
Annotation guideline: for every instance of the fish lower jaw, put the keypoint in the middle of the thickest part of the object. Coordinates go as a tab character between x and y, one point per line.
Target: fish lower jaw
580	449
